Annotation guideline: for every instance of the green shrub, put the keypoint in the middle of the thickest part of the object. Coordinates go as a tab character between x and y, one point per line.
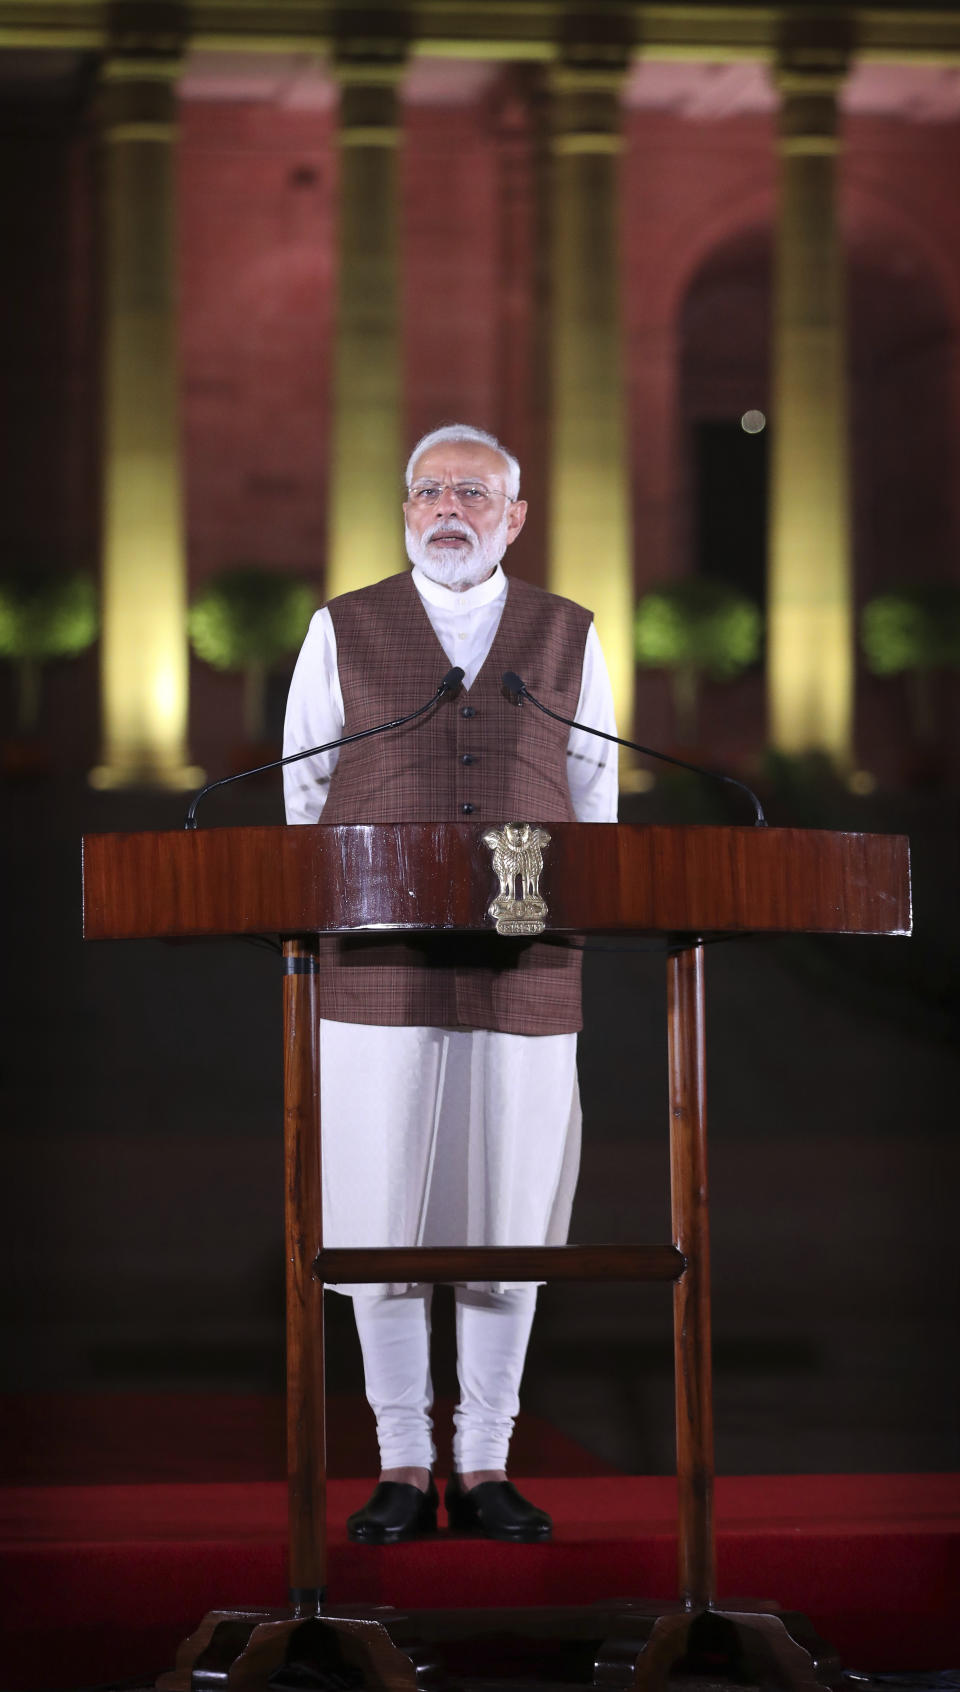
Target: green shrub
44	614
696	627
247	619
914	630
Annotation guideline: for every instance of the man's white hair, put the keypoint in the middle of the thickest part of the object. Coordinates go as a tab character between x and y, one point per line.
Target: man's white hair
466	432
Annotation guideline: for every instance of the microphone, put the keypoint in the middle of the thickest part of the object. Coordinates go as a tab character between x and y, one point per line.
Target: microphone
448	687
451	683
518	691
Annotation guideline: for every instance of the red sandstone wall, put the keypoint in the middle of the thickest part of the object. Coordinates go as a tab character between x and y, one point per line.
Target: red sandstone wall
257	209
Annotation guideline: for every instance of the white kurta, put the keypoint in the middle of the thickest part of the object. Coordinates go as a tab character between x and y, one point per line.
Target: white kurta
439	1136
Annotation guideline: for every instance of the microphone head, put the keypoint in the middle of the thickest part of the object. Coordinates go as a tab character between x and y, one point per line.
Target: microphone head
513	686
452	680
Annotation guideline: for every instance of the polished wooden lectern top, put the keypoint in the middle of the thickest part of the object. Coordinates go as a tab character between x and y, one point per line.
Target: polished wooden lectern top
597	878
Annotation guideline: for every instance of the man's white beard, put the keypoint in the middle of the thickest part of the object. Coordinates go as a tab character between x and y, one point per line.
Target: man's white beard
467	565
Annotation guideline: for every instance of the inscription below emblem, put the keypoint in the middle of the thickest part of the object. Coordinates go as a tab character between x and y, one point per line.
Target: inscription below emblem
518	856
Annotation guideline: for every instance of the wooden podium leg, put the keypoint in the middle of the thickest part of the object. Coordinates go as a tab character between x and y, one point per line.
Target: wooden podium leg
743	1643
306	1421
743	1639
691	1295
244	1649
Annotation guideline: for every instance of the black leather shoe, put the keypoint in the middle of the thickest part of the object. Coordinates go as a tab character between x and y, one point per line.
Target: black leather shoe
496	1510
394	1511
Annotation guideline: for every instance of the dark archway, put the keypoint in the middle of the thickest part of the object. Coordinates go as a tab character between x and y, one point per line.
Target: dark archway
901	352
725	373
902	344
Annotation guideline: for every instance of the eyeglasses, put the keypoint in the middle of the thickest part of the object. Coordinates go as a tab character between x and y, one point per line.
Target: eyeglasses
474	496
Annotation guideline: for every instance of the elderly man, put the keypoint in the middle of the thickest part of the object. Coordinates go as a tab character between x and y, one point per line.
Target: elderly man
450	1106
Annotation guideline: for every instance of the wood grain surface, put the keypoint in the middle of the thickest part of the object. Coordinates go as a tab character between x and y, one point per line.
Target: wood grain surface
597	878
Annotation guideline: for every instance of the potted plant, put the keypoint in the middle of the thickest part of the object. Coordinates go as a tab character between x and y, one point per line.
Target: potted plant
245	620
694	628
44	614
913	631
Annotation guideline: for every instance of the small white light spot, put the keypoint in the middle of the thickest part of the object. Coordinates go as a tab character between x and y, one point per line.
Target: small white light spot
753	422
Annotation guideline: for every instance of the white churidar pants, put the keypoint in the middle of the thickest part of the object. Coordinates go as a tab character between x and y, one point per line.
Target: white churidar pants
492	1334
442	1137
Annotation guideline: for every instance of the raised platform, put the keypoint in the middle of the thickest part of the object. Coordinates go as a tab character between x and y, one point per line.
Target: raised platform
99	1581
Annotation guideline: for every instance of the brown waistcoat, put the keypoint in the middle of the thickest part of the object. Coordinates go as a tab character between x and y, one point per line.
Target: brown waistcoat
476	757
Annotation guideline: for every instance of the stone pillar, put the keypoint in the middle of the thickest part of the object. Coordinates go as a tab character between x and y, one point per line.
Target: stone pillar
367	445
144	660
810	653
591	552
520	126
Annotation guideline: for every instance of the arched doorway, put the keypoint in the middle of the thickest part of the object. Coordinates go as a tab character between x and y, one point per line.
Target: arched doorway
724	352
901	352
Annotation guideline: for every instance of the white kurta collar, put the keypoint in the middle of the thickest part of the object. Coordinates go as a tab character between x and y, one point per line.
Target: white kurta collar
472	599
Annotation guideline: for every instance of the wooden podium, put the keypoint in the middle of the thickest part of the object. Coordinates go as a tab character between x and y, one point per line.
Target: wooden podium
686	884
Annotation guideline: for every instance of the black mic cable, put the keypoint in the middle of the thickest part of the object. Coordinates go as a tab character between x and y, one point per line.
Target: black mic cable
449	686
520	691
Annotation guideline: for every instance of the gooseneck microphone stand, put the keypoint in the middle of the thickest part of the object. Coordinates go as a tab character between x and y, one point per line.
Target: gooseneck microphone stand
518	688
449	685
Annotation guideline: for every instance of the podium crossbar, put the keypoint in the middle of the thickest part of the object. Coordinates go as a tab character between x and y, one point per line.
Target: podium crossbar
499	1263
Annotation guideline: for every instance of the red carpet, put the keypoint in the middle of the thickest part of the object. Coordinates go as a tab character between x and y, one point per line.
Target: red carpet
99	1581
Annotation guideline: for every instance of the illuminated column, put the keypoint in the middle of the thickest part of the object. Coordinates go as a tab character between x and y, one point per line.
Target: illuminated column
144	677
810	629
366	471
591	555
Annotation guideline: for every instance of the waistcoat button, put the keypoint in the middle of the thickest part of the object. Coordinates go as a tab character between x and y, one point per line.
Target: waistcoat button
467	711
468	758
467	809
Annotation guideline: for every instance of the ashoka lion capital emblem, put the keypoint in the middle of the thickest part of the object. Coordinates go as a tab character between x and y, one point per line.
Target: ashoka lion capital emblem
518	856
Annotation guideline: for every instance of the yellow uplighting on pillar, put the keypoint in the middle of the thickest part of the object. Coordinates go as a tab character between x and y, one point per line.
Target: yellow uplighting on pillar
366	470
591	553
810	647
144	660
